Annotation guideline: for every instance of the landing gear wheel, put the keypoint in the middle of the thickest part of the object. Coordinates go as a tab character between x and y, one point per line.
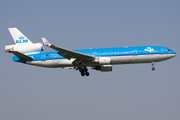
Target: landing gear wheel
82	74
85	69
153	68
87	74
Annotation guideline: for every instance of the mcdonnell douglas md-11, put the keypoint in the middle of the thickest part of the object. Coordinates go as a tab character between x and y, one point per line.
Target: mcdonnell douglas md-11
101	59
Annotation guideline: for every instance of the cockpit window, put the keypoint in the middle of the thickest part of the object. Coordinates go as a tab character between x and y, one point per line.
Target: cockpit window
169	50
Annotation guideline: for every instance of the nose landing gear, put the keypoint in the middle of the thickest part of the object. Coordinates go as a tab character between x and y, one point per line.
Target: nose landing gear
153	68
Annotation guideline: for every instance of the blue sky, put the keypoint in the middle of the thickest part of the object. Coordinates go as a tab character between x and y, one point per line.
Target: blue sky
128	92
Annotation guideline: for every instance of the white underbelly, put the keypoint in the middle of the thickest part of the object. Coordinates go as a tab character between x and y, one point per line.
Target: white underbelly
114	60
138	59
52	63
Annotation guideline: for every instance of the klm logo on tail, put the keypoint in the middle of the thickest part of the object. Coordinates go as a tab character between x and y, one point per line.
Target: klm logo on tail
22	40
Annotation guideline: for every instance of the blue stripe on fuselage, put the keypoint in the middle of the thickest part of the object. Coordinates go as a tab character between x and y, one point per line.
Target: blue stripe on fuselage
102	52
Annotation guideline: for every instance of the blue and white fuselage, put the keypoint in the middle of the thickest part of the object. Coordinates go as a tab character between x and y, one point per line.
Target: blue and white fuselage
100	59
121	55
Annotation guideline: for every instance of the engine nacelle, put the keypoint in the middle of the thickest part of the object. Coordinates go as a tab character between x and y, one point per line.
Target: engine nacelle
103	60
26	48
104	68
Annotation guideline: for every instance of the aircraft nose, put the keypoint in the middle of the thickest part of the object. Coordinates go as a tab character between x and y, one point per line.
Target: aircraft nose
173	54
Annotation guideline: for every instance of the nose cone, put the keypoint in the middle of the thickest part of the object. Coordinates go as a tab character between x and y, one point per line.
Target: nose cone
170	52
173	54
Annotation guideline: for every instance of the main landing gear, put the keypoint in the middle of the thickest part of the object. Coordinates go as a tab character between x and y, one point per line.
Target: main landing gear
153	68
83	71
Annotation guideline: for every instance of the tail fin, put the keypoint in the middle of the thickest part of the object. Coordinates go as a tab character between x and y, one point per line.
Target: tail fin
18	37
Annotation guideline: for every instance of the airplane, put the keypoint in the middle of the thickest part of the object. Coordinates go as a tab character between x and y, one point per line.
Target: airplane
101	59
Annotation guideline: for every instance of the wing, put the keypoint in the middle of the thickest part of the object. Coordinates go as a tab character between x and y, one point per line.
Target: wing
68	54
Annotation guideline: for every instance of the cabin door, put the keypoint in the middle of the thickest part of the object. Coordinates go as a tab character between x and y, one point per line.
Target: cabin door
162	51
43	57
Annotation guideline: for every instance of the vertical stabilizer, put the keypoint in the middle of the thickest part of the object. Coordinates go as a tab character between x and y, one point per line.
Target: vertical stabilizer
18	37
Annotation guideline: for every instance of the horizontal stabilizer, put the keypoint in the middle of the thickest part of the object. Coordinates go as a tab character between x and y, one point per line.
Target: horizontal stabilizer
21	56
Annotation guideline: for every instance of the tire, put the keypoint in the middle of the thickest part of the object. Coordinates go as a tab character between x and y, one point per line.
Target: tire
153	68
82	74
85	69
87	74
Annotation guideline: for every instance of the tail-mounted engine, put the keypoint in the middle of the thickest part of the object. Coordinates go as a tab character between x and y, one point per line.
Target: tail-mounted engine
25	48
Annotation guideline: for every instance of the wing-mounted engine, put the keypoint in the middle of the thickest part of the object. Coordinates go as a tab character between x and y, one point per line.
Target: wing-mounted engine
25	48
103	60
103	68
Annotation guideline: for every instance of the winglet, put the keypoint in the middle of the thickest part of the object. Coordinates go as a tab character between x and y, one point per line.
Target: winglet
45	42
